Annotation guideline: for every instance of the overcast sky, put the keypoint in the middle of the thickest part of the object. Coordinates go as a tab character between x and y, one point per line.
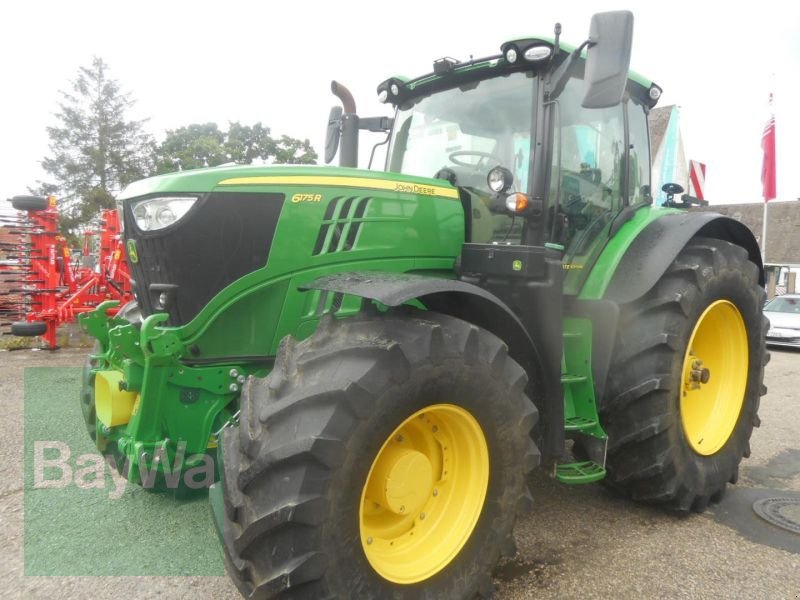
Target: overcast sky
188	62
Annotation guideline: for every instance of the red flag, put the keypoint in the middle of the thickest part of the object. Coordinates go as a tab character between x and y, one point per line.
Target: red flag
768	176
697	179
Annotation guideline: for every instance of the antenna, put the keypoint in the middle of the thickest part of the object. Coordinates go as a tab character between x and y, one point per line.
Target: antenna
556	47
557	31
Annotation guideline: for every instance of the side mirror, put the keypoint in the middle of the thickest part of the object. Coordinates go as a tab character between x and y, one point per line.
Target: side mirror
672	189
332	134
608	58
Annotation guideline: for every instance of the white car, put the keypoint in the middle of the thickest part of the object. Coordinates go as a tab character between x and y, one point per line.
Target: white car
783	313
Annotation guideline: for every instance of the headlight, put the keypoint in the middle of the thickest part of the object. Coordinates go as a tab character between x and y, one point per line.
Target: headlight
157	213
535	53
511	55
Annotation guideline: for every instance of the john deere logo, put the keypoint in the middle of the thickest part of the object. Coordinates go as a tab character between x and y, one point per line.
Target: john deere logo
517	265
133	256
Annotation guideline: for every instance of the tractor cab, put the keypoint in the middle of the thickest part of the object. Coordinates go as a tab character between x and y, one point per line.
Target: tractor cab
546	143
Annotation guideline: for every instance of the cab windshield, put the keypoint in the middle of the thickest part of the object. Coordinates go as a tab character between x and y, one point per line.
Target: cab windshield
470	129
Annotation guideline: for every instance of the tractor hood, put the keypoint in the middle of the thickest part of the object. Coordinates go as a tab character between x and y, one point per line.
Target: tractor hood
190	235
207	180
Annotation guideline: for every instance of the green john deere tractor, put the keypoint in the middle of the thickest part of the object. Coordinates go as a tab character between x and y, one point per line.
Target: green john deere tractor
371	363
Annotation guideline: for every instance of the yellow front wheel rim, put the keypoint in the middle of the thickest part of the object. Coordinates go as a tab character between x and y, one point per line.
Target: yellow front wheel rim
424	493
714	382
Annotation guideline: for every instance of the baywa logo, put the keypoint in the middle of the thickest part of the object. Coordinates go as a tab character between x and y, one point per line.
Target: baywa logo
54	467
91	511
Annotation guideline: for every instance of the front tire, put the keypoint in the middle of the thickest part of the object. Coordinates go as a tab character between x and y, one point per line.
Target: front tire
343	449
130	312
686	379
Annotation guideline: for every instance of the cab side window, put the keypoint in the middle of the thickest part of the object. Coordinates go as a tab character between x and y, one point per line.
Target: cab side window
588	180
639	153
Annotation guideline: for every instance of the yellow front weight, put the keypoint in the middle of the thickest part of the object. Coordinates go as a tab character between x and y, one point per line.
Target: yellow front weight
113	406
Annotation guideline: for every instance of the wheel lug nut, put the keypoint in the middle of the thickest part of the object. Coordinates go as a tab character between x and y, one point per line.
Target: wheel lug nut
434	429
399	438
435	492
369	540
421	516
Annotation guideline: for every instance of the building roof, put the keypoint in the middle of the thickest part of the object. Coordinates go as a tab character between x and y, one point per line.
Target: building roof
658	120
783	227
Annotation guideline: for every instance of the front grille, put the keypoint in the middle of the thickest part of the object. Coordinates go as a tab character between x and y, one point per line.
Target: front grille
224	237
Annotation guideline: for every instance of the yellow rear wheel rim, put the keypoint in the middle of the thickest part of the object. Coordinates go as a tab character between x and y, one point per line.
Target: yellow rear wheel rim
424	493
714	382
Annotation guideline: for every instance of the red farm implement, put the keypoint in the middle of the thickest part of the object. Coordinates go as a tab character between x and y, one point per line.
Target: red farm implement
43	284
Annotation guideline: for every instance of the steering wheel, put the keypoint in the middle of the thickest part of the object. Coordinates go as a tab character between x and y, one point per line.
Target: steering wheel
454	157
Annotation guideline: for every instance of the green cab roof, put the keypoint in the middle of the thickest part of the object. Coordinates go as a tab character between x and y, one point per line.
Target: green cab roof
415	86
568	48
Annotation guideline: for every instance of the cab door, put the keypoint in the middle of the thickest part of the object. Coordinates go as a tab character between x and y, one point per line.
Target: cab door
587	185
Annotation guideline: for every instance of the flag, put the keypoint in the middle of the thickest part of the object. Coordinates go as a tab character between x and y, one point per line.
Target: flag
697	179
768	176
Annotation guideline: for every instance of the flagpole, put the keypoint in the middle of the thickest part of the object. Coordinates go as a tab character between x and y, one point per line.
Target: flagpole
768	178
764	236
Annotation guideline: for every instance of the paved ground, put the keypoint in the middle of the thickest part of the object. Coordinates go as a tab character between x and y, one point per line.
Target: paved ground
580	542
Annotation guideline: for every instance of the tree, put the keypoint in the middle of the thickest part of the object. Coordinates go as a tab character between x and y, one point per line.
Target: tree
205	145
290	150
95	149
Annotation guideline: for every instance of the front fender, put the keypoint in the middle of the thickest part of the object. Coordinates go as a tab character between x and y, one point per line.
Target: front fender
474	305
450	296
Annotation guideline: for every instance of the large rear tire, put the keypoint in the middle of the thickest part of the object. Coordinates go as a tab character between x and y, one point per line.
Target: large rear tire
686	379
376	429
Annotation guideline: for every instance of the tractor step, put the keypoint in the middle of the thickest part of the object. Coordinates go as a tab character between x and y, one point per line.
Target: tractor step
580	472
578	423
568	378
